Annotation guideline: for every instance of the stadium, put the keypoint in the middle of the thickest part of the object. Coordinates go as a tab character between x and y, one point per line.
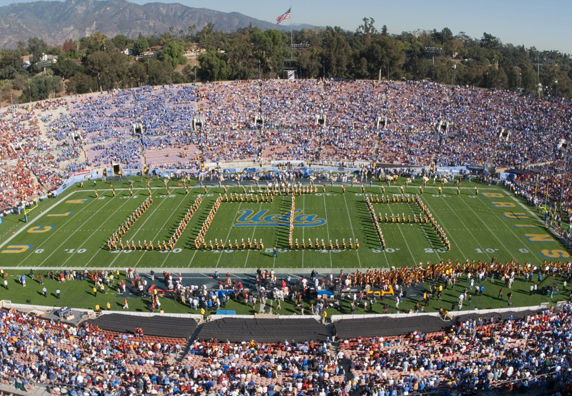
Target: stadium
286	237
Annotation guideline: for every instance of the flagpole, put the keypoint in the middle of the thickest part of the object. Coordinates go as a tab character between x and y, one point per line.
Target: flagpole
291	43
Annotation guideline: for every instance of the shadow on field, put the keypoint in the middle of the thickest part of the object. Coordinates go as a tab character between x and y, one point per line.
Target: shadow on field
368	230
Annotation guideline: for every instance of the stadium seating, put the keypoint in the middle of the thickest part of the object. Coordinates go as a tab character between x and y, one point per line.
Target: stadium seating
42	143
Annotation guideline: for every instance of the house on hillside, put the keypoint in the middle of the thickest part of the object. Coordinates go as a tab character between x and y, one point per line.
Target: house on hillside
45	60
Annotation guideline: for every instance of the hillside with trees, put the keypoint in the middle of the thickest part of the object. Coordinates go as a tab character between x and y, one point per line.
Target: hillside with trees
97	62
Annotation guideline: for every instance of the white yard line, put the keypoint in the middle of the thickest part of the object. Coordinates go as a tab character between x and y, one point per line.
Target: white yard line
162	228
251	238
224	242
405	239
97	230
303	228
460	222
484	223
146	220
512	229
71	233
352	227
384	252
429	239
328	230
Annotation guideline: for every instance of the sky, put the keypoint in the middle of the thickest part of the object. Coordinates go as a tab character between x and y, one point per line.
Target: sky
545	25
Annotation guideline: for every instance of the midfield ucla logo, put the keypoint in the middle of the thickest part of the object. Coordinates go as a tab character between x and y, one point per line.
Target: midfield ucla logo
247	218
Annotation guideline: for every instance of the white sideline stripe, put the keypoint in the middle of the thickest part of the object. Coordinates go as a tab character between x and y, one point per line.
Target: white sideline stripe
34	220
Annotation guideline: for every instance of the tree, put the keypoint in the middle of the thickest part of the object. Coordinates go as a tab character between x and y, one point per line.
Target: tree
159	72
99	63
495	78
189	73
81	83
191	28
11	64
37	47
385	54
122	42
118	73
336	54
269	49
367	29
173	53
240	56
40	88
65	68
309	60
490	42
443	36
213	66
68	46
137	74
210	39
95	42
140	45
177	78
416	65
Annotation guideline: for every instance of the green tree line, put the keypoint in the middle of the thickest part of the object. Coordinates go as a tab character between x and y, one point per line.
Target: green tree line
97	63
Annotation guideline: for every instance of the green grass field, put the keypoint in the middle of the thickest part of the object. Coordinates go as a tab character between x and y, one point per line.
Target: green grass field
71	231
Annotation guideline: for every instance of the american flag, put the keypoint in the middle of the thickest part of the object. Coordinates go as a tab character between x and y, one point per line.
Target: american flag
286	15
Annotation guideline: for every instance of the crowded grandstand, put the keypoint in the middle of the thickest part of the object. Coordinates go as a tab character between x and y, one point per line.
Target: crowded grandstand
202	130
200	127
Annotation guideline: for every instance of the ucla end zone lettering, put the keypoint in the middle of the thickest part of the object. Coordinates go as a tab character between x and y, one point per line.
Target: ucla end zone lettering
41	229
77	201
16	248
247	218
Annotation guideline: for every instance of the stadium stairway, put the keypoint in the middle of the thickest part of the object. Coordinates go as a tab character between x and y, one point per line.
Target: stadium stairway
185	349
334	349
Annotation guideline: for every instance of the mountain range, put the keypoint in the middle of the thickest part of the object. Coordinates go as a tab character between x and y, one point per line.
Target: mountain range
58	21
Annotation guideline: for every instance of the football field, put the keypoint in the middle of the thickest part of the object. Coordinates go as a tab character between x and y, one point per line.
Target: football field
73	230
